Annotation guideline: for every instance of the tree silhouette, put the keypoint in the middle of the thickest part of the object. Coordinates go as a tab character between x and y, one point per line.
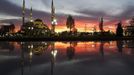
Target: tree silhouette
70	51
119	46
70	22
119	30
132	22
101	24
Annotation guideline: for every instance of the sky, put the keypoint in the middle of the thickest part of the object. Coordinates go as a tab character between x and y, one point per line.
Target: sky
85	12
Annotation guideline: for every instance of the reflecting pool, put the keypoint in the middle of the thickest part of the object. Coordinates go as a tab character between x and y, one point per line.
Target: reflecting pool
67	58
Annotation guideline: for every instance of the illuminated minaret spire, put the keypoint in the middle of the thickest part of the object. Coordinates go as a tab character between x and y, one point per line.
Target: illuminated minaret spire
53	18
23	12
31	12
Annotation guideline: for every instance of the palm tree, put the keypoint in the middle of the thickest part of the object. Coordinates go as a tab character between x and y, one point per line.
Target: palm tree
70	22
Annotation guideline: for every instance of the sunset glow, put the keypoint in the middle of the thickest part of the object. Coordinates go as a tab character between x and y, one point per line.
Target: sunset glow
84	16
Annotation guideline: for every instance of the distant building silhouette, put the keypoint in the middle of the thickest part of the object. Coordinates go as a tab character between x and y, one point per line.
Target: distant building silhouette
7	29
130	28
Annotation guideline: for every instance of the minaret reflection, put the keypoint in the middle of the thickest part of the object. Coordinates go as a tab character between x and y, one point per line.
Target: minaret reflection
32	48
22	62
30	55
102	48
53	57
120	46
71	51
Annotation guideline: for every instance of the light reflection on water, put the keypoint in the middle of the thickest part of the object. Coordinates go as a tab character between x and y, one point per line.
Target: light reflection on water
48	58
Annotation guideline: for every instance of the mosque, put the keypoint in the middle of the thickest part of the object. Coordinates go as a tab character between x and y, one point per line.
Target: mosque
37	28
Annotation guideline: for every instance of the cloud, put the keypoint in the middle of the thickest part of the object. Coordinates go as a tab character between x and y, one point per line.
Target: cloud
8	8
11	12
82	10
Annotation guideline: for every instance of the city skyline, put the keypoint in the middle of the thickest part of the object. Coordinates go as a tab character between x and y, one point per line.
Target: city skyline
88	14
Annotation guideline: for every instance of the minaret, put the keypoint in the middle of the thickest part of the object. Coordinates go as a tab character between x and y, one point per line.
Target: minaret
23	13
31	12
53	18
101	24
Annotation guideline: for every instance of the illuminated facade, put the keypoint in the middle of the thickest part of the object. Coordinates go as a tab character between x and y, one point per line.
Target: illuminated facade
33	28
36	28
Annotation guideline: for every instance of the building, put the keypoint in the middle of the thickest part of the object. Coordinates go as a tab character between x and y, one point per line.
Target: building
129	30
7	29
36	28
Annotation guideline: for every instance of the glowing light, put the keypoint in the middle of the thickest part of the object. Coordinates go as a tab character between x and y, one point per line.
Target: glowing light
32	28
30	46
31	53
31	20
54	22
54	53
28	27
93	46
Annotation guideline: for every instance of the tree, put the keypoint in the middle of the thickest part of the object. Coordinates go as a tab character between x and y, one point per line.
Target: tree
70	51
132	22
101	25
70	22
119	30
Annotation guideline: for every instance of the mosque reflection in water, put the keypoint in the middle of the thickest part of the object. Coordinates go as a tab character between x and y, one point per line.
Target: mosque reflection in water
34	53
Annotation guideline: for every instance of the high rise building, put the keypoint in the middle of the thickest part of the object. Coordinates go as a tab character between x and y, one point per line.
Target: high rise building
53	18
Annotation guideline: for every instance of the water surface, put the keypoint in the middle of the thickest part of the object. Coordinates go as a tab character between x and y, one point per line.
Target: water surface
67	58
